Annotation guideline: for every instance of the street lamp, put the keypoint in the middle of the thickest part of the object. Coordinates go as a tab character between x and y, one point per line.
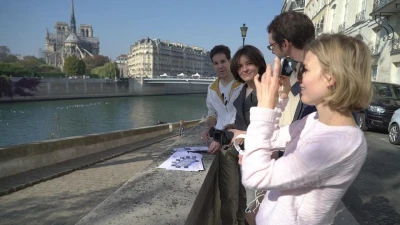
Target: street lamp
244	31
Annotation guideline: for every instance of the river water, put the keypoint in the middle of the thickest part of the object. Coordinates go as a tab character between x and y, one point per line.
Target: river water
26	122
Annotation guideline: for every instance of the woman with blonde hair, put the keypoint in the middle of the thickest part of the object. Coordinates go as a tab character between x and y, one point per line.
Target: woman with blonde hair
320	162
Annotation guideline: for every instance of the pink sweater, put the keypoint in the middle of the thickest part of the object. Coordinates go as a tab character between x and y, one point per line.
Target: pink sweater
306	184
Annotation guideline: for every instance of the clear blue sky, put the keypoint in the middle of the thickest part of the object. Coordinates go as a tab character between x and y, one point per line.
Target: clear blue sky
120	23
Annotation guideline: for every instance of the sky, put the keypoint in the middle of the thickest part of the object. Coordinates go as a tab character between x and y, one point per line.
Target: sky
120	23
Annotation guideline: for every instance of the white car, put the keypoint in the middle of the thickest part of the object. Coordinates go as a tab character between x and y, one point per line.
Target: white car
394	128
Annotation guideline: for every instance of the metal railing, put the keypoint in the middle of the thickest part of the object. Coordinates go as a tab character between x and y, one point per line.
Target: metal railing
381	3
360	17
342	27
396	44
374	50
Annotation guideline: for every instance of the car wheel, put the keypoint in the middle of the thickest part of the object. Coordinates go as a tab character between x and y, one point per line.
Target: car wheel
394	134
362	122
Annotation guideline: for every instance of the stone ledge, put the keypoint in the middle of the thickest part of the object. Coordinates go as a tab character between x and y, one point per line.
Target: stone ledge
21	158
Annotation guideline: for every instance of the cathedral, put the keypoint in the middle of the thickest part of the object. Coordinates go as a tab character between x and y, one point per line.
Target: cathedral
66	41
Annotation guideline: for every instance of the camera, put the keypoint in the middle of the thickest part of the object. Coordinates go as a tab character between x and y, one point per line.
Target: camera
287	66
223	137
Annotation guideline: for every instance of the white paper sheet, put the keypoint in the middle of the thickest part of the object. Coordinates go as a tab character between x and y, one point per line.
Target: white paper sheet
182	160
192	149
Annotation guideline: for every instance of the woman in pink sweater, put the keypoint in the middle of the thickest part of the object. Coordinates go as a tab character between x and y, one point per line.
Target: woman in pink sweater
324	151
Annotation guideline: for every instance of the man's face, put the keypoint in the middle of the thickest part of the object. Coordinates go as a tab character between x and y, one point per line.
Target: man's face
221	65
275	47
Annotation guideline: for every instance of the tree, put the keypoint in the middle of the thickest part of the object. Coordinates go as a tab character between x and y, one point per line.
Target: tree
11	59
22	87
95	61
81	68
31	63
71	65
12	69
109	70
4	52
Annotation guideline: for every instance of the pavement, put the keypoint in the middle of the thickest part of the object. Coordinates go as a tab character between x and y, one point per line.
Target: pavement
76	186
66	192
374	196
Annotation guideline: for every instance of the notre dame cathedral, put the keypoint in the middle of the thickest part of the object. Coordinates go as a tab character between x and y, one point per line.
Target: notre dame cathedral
66	41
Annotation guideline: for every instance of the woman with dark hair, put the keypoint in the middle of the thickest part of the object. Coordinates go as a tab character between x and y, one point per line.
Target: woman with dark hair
247	62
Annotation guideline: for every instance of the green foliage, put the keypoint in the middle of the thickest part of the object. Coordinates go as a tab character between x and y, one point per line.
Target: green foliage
81	68
95	61
30	66
5	86
4	52
109	70
14	69
21	87
11	59
74	66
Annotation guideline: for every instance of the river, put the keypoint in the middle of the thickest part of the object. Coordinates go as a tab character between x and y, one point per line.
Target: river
26	122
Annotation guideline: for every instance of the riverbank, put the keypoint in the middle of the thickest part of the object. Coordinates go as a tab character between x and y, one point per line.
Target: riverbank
64	88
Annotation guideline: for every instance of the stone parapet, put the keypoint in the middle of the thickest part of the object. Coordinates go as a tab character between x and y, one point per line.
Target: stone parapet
21	158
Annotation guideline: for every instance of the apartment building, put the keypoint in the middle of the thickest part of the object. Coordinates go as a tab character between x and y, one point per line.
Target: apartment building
153	57
373	21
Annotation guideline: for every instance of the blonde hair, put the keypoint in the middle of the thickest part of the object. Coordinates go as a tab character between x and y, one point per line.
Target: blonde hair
348	60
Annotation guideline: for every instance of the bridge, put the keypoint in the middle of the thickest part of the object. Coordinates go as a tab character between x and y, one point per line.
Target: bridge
174	80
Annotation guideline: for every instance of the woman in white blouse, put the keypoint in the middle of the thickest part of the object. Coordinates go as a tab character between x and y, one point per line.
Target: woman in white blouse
324	151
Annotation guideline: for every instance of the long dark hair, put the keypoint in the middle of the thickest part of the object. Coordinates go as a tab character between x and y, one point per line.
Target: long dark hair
253	54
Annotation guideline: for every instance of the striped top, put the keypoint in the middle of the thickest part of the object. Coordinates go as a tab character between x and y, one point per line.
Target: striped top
306	184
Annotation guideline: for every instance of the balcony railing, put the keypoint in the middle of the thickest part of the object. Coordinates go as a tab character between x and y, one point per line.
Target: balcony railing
380	3
395	45
297	5
374	50
342	27
360	17
319	31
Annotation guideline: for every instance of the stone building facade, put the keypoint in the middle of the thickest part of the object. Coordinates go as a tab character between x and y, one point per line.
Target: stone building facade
67	41
121	65
373	21
153	57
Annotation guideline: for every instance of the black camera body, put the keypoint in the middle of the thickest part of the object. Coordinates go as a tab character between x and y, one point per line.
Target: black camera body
223	137
287	67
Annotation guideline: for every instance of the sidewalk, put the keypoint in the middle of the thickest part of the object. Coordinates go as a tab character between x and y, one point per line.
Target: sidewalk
66	192
78	187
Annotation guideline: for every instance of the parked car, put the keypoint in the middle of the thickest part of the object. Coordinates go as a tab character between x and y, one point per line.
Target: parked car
394	128
385	101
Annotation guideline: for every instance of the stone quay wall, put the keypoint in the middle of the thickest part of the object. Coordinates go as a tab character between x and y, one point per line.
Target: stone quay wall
63	88
21	158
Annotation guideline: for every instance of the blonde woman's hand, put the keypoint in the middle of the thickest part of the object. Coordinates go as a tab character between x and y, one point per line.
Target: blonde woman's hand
268	88
285	88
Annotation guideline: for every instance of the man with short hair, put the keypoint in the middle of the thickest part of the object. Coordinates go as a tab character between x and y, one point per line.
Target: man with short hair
288	34
220	97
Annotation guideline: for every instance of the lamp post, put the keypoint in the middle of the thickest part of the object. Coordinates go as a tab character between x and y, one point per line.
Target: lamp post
244	31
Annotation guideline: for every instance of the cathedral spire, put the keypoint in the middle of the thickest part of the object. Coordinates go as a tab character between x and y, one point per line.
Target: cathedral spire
73	23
